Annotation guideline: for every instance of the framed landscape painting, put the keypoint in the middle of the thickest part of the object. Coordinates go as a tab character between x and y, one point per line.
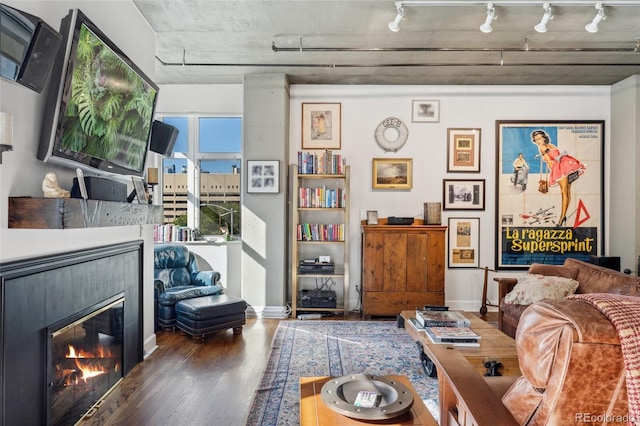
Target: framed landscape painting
392	173
549	191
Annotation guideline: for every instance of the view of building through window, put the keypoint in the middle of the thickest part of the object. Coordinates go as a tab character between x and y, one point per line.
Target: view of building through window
206	164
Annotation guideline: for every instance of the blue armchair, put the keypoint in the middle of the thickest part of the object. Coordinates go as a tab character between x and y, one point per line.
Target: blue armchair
177	277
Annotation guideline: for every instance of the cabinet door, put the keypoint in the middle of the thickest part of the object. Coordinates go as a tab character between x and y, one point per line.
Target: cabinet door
416	255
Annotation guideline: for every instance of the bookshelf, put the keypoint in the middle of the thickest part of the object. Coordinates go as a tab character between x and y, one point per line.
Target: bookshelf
320	217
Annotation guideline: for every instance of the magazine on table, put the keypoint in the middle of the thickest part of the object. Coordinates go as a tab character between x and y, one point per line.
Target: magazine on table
453	333
428	318
473	343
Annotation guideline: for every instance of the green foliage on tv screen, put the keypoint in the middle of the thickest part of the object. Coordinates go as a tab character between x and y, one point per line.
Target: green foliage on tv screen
109	112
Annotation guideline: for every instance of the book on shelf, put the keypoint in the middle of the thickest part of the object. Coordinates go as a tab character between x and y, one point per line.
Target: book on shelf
429	318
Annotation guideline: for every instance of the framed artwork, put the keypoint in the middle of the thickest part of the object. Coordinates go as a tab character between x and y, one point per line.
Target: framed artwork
141	191
425	111
321	126
463	150
464	242
392	173
372	217
459	194
549	191
263	176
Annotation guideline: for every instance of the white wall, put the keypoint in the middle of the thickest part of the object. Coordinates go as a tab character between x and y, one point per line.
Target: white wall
21	173
364	107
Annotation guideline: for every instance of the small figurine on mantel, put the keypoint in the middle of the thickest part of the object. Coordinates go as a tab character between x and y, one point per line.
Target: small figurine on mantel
51	188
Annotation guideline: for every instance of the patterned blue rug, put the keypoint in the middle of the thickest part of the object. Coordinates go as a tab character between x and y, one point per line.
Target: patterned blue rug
333	348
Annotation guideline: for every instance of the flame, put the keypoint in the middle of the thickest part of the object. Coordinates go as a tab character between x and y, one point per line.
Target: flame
86	368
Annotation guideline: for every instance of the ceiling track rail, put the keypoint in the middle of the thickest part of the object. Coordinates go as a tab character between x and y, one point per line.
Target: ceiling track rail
391	65
419	3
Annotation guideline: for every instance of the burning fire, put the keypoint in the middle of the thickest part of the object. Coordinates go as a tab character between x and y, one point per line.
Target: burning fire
86	364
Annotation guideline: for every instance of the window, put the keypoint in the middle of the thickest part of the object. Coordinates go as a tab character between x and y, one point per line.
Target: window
201	181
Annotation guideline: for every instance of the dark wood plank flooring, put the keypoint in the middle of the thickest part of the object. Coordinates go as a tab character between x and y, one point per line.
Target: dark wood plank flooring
189	383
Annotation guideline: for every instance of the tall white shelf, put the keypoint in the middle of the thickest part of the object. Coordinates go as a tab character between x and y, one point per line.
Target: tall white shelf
338	250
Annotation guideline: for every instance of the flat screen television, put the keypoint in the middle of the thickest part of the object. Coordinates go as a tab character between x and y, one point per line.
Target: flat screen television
100	105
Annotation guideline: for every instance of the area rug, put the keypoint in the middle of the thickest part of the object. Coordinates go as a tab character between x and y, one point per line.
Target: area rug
333	348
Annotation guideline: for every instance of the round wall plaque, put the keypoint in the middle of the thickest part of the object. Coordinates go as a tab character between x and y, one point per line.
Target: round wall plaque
391	134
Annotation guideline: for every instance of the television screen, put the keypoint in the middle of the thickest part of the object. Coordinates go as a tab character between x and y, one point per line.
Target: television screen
99	117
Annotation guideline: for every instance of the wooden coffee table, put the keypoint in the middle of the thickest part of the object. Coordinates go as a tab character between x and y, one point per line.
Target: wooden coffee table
495	346
313	410
467	365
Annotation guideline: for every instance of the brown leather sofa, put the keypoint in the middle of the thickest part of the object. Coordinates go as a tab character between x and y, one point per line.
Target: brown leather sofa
592	279
572	367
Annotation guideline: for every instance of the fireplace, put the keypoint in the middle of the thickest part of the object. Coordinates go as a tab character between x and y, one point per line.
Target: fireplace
89	299
84	361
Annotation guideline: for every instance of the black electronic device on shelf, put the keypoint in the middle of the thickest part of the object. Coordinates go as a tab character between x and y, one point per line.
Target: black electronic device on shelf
315	267
395	220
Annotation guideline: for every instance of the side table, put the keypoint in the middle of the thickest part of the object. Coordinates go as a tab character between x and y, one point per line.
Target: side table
313	410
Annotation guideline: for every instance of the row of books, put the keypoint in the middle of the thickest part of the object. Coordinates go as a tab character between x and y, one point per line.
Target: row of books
447	335
322	197
170	232
320	232
321	162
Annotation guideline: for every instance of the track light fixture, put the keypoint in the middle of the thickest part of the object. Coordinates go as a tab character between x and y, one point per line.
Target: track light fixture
491	15
548	15
395	24
592	26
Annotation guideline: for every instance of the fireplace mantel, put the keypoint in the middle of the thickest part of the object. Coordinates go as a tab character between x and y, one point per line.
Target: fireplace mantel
67	213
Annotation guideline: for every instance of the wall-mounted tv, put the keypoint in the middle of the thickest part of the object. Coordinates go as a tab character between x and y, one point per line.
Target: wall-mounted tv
100	105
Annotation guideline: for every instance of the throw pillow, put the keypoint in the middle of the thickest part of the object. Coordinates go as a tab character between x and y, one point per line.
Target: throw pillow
533	287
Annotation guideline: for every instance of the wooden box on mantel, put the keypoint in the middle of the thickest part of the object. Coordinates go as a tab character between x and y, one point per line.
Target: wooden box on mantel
67	213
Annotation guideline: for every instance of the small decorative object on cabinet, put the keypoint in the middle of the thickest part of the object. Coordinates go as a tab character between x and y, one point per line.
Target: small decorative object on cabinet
402	267
320	246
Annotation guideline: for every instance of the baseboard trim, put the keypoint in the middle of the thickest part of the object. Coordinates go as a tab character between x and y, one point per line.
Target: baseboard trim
149	346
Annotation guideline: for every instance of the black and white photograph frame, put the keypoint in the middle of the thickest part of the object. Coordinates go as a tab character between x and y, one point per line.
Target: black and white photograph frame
464	242
425	111
263	177
460	194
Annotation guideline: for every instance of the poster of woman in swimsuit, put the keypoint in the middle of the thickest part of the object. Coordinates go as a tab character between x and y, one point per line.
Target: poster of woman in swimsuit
558	212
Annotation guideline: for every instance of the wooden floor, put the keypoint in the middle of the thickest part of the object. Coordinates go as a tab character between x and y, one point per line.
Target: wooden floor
187	383
191	384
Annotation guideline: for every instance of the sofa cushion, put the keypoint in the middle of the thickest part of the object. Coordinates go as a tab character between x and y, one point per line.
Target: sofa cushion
552	270
533	287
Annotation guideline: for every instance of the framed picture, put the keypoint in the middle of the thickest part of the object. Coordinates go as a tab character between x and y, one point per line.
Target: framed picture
392	173
463	150
459	194
549	191
321	126
425	111
372	217
263	176
464	242
141	190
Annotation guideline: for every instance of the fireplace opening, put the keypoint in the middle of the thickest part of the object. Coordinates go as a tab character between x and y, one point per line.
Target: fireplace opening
85	354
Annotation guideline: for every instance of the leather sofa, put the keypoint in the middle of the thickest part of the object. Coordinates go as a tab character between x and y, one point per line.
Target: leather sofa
591	279
572	367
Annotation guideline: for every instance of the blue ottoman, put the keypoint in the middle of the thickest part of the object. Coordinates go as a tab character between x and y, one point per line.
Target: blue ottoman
207	314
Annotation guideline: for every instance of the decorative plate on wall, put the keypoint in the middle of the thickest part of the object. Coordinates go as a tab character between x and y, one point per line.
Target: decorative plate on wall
391	134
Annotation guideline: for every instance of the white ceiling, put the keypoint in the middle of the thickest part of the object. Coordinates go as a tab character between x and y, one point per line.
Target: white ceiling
348	42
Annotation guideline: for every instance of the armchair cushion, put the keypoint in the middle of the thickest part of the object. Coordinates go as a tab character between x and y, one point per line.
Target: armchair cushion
175	294
533	287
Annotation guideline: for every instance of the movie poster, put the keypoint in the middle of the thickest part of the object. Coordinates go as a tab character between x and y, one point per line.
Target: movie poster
549	191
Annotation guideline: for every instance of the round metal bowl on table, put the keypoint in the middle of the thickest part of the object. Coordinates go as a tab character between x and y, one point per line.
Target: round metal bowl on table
341	395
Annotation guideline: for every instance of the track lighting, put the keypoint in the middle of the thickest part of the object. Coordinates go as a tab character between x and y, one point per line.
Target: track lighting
592	26
491	15
395	24
548	15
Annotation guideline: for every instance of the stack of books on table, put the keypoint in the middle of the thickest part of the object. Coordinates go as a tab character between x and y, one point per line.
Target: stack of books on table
445	327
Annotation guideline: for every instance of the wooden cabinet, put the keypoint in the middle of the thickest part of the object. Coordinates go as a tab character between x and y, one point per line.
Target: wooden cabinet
402	267
320	219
